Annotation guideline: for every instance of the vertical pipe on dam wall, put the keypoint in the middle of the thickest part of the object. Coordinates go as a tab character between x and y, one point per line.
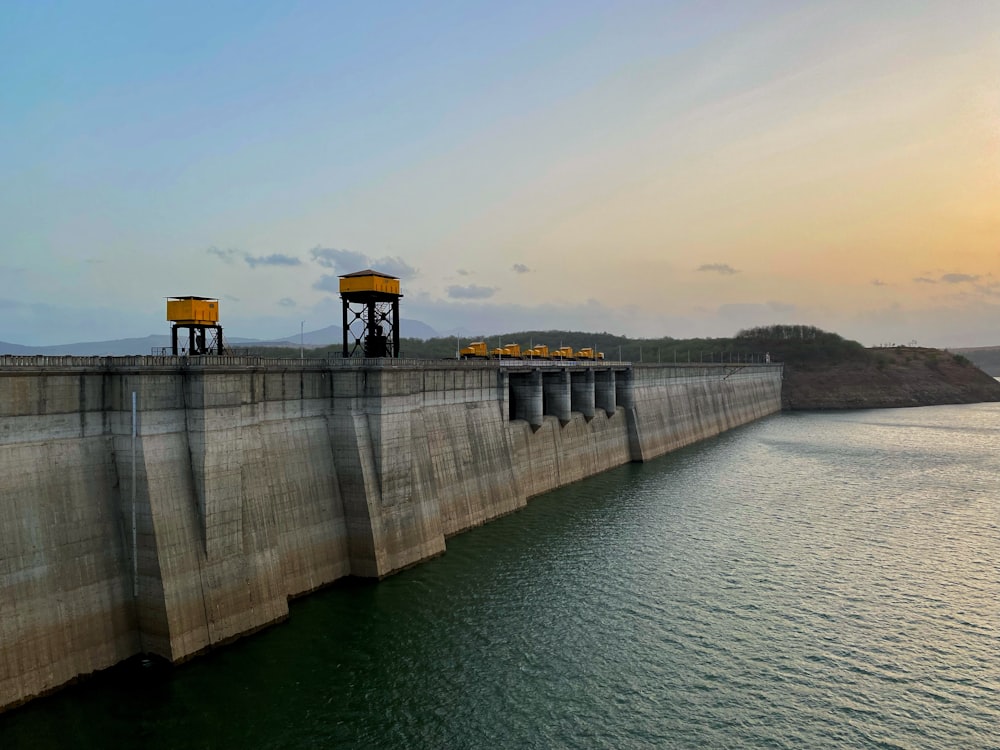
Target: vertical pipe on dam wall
258	480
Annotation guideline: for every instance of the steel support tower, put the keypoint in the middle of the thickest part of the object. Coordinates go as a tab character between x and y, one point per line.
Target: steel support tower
200	317
370	314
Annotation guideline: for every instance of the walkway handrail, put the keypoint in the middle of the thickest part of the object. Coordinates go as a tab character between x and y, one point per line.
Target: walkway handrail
17	361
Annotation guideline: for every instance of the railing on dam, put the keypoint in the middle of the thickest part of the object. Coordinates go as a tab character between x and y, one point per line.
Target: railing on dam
52	361
145	360
20	362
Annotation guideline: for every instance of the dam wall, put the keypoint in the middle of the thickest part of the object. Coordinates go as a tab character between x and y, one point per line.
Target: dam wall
242	482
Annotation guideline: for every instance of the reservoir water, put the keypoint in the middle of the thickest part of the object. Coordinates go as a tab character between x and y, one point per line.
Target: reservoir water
807	581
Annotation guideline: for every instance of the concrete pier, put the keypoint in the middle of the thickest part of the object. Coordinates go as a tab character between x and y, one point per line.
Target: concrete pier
604	391
583	392
250	481
556	394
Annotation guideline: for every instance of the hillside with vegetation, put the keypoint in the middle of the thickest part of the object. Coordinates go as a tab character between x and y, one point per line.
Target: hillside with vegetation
822	370
825	371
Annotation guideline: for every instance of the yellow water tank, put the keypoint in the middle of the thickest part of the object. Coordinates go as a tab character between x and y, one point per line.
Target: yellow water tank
193	310
369	281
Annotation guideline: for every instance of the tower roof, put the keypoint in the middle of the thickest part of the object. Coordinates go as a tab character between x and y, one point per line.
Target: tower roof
368	272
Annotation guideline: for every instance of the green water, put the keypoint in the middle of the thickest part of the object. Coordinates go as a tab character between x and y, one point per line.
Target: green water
811	580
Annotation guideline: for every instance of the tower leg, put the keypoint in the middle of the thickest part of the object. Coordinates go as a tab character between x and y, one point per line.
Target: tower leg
370	334
395	327
344	353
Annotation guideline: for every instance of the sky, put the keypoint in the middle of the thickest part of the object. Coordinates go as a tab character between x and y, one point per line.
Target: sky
641	168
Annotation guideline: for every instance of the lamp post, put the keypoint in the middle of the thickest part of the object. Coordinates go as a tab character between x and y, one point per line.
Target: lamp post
302	347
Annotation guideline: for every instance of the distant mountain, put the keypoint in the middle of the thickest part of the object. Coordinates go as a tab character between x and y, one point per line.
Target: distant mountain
322	337
414	329
330	335
116	348
8	348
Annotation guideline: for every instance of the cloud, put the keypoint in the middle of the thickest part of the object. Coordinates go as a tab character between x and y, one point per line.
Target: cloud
947	325
472	291
519	268
949	278
349	261
991	290
746	315
958	278
721	268
345	261
276	259
286	302
226	256
395	266
328	282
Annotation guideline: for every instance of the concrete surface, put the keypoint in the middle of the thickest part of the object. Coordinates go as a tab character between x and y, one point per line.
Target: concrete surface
258	480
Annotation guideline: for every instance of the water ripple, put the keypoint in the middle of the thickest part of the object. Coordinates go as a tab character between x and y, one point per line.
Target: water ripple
809	581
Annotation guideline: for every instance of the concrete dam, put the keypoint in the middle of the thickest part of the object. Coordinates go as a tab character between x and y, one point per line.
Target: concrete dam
163	505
